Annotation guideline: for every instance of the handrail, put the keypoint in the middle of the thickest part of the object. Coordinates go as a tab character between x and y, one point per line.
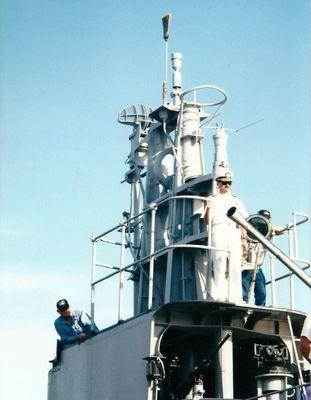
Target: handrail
121	276
152	208
213	87
150	257
157	253
293	248
110	241
121	225
280	278
107	266
303	385
144	211
125	268
151	261
96	238
183	196
293	224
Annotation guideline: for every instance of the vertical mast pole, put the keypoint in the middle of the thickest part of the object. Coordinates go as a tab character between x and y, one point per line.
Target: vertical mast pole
93	275
151	262
166	27
121	274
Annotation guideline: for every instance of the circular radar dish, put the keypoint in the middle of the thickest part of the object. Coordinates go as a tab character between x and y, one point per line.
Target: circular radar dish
136	114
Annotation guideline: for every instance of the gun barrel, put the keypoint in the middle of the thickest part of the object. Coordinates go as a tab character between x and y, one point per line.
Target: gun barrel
189	381
236	216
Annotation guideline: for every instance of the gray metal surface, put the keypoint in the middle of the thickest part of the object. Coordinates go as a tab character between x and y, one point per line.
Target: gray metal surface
109	366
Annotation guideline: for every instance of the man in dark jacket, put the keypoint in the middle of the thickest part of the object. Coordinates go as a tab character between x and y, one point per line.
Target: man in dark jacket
73	326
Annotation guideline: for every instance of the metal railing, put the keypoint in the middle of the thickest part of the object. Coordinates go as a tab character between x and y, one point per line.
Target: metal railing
122	226
152	209
293	251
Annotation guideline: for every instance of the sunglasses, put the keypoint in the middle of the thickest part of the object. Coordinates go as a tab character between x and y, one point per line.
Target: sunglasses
226	183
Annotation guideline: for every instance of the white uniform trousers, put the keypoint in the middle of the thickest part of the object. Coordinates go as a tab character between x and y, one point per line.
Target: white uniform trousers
225	266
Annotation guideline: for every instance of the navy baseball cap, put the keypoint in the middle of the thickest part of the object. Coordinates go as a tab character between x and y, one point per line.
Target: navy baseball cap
62	305
265	213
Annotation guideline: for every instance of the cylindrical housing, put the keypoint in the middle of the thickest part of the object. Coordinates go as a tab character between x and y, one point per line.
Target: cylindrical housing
177	80
220	144
176	64
191	142
272	382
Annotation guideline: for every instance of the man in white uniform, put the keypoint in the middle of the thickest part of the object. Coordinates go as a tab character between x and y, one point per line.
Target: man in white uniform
225	282
305	339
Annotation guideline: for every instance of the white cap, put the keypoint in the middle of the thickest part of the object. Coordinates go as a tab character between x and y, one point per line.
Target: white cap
226	174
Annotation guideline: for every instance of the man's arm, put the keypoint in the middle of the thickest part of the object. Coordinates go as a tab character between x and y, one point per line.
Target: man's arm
206	216
206	212
65	337
87	323
278	230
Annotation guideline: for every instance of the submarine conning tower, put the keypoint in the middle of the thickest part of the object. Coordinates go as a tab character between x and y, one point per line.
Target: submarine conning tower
167	175
179	343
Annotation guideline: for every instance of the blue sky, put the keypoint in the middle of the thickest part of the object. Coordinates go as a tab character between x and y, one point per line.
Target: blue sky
67	70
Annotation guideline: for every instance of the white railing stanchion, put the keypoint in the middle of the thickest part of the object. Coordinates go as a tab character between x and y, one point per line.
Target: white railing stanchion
290	242
296	252
93	277
121	274
272	274
292	291
151	262
291	278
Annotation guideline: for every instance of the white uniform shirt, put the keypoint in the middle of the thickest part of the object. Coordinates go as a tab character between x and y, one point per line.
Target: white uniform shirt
220	204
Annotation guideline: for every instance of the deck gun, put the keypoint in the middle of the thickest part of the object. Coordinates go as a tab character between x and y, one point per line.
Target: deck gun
194	378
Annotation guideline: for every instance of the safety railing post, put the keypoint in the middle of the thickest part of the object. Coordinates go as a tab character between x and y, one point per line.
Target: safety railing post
151	262
291	278
296	252
93	278
272	273
121	274
292	291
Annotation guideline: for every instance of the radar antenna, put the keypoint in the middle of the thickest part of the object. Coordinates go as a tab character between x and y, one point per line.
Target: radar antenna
166	27
234	130
248	125
135	114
